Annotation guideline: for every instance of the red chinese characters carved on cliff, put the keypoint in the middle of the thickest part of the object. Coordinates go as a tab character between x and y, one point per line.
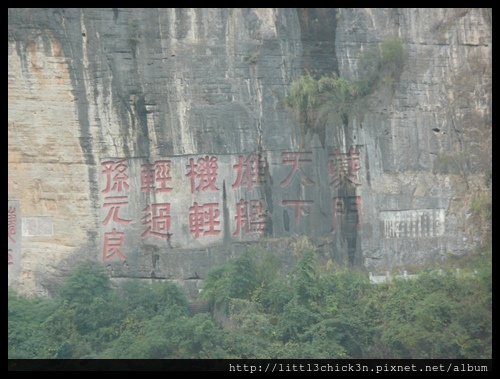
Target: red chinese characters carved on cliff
116	176
203	174
347	205
156	176
157	219
250	217
114	203
344	167
204	220
301	208
295	160
116	192
250	171
113	243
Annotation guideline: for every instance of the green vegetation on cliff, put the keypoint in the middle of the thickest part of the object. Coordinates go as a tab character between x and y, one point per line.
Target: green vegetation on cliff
330	98
261	310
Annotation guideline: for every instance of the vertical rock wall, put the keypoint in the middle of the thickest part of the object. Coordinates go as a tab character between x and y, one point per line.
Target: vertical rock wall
148	85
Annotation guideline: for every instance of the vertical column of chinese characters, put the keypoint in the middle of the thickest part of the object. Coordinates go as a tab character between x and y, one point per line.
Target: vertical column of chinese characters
250	216
203	218
337	172
343	172
297	160
156	218
12	225
116	196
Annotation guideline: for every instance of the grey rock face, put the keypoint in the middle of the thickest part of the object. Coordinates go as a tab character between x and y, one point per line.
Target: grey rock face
141	86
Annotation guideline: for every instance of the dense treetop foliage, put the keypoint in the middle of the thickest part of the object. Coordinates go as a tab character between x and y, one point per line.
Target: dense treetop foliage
259	309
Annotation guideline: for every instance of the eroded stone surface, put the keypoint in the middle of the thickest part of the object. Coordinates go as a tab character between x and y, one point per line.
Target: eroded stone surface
93	85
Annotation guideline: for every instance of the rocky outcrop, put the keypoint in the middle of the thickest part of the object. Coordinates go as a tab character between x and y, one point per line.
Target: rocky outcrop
156	139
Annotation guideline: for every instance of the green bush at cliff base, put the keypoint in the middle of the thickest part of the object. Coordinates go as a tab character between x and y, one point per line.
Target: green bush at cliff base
262	310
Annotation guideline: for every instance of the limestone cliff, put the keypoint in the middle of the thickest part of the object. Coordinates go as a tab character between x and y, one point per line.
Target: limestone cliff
157	140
